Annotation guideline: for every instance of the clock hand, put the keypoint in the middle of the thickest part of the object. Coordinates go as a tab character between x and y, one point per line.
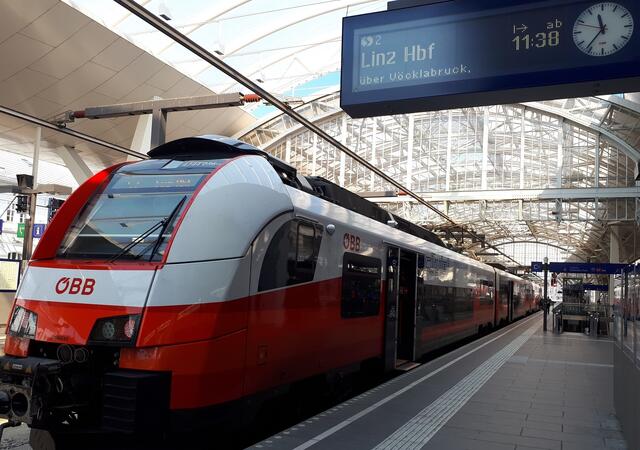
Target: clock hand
590	26
602	27
592	40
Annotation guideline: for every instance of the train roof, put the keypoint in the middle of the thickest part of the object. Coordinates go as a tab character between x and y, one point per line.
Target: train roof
510	275
214	146
205	146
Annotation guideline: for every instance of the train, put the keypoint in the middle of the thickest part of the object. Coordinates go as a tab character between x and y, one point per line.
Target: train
191	286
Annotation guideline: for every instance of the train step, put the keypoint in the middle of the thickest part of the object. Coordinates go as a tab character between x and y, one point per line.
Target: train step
407	366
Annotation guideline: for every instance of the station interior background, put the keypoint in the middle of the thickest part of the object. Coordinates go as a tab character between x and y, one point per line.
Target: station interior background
556	179
552	179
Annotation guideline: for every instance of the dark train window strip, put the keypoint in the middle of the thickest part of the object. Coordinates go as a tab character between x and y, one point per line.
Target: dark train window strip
360	286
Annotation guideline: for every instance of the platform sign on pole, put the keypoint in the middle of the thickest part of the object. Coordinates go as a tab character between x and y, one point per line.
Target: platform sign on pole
596	287
459	54
536	267
576	267
38	230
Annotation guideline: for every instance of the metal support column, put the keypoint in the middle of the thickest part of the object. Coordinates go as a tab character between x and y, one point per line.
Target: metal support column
287	151
560	164
485	148
36	157
78	168
596	181
27	243
614	257
410	134
314	156
343	159
545	298
447	180
520	209
374	138
158	127
141	141
522	144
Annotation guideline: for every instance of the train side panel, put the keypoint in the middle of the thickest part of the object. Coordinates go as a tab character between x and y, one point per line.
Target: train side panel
455	300
299	329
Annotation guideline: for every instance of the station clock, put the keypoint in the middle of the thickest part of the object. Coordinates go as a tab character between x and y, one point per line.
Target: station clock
603	29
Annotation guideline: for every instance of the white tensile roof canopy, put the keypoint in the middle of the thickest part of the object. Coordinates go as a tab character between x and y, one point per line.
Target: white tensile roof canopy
283	45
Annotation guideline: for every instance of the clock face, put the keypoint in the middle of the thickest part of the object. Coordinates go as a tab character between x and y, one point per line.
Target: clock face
603	29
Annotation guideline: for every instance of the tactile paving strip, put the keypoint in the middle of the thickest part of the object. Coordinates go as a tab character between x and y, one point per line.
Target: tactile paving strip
423	426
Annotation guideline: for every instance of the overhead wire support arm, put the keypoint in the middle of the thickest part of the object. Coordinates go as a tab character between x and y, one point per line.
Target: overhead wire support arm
216	62
168	105
158	109
61	129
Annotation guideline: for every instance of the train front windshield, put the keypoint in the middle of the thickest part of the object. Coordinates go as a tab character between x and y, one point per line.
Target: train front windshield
133	216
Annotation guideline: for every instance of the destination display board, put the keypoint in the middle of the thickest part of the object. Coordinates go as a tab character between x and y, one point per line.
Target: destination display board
463	53
577	267
595	287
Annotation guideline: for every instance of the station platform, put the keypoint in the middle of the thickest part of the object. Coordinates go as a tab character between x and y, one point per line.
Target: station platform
516	389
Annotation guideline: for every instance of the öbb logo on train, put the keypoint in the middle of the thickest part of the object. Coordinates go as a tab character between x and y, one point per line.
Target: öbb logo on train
75	286
351	242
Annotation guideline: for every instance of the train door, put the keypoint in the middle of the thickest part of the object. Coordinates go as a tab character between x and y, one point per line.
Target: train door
406	308
497	304
510	301
391	308
400	307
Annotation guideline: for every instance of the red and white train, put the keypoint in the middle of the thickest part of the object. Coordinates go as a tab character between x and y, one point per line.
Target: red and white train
210	276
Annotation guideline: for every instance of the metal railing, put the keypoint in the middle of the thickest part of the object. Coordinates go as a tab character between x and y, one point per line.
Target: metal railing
597	317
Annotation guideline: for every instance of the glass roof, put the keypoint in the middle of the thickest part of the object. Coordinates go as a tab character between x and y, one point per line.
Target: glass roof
291	47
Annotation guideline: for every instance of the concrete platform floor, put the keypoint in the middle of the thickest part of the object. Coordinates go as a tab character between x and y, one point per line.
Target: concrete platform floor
516	389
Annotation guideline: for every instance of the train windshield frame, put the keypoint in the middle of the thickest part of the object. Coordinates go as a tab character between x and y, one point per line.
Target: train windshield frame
135	212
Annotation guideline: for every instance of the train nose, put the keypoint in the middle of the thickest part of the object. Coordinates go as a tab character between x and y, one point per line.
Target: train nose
5	402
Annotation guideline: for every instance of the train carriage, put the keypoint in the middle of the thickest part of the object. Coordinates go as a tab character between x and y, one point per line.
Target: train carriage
211	275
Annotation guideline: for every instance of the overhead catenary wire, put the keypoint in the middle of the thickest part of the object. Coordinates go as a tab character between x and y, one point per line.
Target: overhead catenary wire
216	62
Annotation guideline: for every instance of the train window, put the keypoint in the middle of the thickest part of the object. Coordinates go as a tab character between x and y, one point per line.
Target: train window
308	239
487	292
463	303
360	286
292	255
132	216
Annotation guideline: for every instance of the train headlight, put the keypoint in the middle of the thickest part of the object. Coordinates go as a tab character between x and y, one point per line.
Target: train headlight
23	323
116	330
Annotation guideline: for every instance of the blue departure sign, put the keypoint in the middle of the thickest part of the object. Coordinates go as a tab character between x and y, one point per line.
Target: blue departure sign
456	54
595	287
577	267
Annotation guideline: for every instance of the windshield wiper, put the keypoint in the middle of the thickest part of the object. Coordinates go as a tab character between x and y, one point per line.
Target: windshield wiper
165	225
162	224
